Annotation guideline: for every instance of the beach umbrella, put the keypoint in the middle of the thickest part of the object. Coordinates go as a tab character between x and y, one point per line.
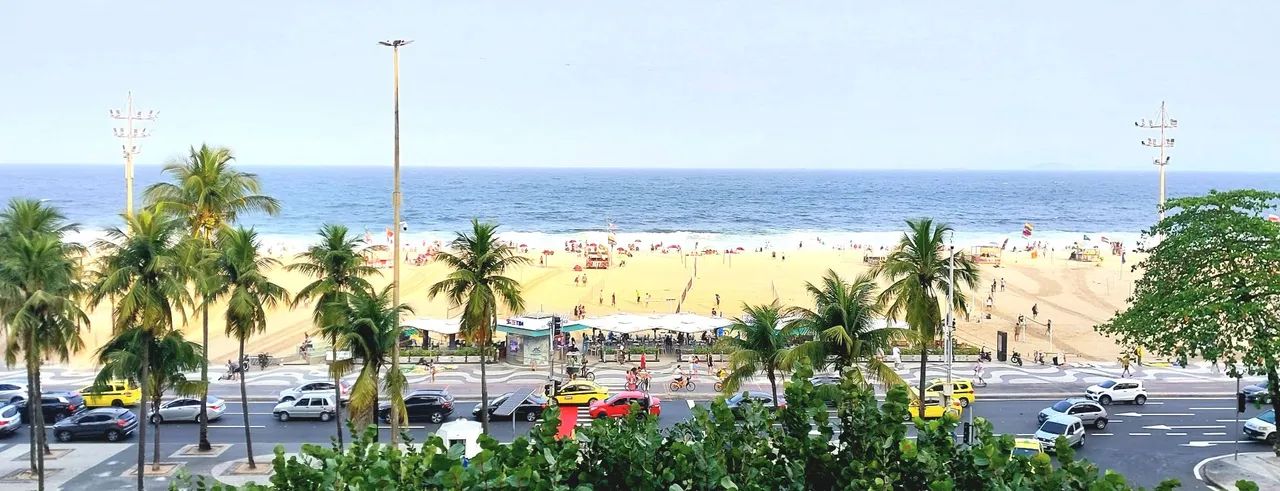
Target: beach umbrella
548	252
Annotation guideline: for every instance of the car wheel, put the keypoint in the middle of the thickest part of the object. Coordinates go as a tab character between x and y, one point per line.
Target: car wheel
592	401
117	403
1080	443
63	436
1105	400
1271	438
286	399
1100	423
15	400
284	417
437	418
325	417
964	402
113	436
156	419
531	416
1140	400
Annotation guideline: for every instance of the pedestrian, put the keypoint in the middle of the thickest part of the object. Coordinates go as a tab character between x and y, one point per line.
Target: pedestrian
1035	310
1001	284
897	358
717	300
613	299
977	372
993	287
1124	362
575	281
990	302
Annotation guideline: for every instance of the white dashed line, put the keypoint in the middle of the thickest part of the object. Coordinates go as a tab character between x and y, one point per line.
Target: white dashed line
1176	434
1139	434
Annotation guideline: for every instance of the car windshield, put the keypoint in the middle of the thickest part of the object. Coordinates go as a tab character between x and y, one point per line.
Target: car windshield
1025	452
1053	427
1268	416
1108	384
1062	406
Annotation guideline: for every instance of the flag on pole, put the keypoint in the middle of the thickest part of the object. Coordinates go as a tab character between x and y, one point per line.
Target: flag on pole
1027	228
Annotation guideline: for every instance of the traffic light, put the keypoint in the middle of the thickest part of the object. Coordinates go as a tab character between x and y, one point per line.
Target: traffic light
555	325
1240	402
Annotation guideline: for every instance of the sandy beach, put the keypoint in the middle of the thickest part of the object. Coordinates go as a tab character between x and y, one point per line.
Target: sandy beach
1074	295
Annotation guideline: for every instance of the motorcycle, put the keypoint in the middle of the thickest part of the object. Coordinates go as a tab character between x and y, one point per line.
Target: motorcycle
1016	358
984	356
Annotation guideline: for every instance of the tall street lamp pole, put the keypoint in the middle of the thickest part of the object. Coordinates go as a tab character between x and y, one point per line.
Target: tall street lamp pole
395	248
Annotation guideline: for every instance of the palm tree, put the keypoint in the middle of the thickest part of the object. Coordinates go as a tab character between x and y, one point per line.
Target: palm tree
339	266
371	329
141	272
169	357
40	283
249	293
477	284
764	340
842	330
209	195
918	271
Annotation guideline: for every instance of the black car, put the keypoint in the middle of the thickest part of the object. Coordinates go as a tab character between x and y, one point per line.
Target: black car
111	423
55	406
433	405
738	402
1255	392
530	410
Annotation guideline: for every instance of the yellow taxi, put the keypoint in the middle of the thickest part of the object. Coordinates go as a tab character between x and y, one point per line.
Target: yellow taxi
961	389
115	393
1026	447
932	406
581	392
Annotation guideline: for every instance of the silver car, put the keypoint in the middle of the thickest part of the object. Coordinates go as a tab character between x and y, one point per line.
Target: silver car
1090	413
309	406
311	388
12	393
1069	427
188	409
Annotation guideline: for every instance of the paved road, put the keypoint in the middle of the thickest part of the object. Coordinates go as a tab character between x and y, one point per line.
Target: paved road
1162	439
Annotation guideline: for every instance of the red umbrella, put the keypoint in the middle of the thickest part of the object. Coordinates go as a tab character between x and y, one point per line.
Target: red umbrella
642	361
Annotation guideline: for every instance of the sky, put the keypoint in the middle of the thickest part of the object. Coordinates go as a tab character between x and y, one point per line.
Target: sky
741	84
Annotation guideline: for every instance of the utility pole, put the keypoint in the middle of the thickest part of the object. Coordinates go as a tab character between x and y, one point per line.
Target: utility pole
946	349
128	134
1161	123
395	220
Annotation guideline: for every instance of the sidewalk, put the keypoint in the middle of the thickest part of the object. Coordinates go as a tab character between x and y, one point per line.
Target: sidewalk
1263	468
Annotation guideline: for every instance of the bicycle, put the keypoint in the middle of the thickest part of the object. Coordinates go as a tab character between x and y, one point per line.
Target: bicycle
685	384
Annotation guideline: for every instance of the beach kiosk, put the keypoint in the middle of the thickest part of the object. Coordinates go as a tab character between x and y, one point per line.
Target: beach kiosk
986	254
528	337
1086	255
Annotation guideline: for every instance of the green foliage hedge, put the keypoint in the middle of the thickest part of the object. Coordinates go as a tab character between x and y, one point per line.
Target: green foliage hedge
793	449
463	351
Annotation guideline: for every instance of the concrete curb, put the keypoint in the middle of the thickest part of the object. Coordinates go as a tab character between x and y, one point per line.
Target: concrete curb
1225	478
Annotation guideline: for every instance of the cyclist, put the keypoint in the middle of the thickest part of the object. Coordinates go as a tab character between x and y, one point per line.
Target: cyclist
681	375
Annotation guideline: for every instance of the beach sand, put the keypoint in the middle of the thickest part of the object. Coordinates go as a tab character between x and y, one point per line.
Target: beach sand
1074	295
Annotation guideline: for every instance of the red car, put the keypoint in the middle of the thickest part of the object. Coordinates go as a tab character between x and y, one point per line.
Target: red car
620	404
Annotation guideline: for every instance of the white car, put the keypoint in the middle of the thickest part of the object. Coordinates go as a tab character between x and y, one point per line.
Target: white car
12	393
1118	391
314	388
188	409
1262	427
10	419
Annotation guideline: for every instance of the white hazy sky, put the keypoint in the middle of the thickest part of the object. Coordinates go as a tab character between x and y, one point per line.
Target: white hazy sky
818	84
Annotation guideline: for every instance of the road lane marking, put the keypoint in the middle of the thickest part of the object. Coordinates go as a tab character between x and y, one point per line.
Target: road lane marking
1177	434
1211	408
1139	434
235	426
1138	415
1182	427
403	427
1215	434
1102	434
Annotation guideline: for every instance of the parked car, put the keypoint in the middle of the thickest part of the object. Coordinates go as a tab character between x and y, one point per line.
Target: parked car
1111	391
529	410
110	423
115	393
581	392
620	405
311	388
310	405
1255	392
433	405
1262	427
188	409
1026	447
1090	412
738	402
961	389
12	393
54	406
1060	425
10	419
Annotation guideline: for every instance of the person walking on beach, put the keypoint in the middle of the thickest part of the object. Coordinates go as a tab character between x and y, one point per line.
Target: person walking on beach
1001	284
613	299
1035	310
717	300
993	287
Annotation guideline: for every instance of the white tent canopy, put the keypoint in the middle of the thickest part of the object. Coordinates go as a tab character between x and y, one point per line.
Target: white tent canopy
438	326
632	323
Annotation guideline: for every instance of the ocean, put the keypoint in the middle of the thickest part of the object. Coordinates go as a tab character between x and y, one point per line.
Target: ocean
712	207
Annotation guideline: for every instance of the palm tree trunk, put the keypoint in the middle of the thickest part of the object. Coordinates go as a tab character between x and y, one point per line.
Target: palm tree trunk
145	382
35	409
32	395
773	386
204	380
337	393
484	378
924	361
373	408
244	403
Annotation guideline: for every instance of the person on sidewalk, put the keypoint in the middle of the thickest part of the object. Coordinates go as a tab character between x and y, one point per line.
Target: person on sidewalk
897	358
977	372
1124	362
1035	310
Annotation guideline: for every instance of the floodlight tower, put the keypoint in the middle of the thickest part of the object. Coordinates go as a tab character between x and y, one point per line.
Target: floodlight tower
1161	123
128	134
395	220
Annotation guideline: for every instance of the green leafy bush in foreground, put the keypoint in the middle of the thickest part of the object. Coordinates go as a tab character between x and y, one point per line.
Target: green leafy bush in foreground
793	449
